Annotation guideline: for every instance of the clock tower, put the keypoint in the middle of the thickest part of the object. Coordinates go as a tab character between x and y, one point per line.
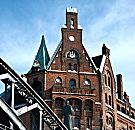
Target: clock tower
71	75
72	47
71	31
88	83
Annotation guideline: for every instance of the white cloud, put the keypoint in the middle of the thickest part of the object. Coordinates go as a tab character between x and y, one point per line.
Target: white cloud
117	28
19	40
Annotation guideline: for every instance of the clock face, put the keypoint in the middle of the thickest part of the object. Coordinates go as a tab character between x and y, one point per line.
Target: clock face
72	38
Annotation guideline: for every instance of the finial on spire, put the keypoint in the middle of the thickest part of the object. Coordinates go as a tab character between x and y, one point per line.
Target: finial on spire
42	36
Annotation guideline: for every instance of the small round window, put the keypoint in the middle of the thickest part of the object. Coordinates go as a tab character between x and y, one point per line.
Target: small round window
71	38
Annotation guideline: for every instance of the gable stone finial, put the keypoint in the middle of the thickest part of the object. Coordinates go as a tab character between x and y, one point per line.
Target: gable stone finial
105	51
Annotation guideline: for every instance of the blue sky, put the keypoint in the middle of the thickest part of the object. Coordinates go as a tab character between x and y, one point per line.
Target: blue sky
22	23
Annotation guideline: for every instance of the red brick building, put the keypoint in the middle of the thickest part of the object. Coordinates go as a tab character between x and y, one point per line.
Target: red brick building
87	82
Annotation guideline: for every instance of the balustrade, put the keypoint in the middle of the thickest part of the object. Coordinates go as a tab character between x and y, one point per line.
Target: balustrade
82	91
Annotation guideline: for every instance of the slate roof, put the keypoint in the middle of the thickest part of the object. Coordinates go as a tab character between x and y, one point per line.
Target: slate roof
97	60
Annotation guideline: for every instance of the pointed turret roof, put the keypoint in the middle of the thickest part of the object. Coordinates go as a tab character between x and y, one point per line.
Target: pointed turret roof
42	57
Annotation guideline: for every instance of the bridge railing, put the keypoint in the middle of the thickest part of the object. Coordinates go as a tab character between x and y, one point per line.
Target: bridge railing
24	89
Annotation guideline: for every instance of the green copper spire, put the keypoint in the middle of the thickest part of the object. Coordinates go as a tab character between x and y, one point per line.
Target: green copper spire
42	57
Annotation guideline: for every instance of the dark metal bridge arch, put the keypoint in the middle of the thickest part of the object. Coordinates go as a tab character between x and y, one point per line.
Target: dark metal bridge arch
9	77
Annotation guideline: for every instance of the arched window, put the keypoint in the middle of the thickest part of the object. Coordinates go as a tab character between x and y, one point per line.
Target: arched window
87	82
110	100
69	66
72	83
72	54
71	23
75	67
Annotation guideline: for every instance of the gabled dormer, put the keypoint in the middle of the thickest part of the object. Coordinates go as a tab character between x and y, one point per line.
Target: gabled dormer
108	95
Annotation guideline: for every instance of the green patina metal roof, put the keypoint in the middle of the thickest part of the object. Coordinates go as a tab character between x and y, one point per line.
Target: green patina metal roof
42	57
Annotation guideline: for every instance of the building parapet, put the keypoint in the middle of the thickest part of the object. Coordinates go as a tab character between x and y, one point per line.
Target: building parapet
67	90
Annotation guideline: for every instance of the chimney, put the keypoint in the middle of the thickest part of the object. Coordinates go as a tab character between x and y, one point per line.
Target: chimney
119	86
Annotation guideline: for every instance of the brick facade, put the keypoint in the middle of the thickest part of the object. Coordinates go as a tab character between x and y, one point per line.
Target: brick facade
90	87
